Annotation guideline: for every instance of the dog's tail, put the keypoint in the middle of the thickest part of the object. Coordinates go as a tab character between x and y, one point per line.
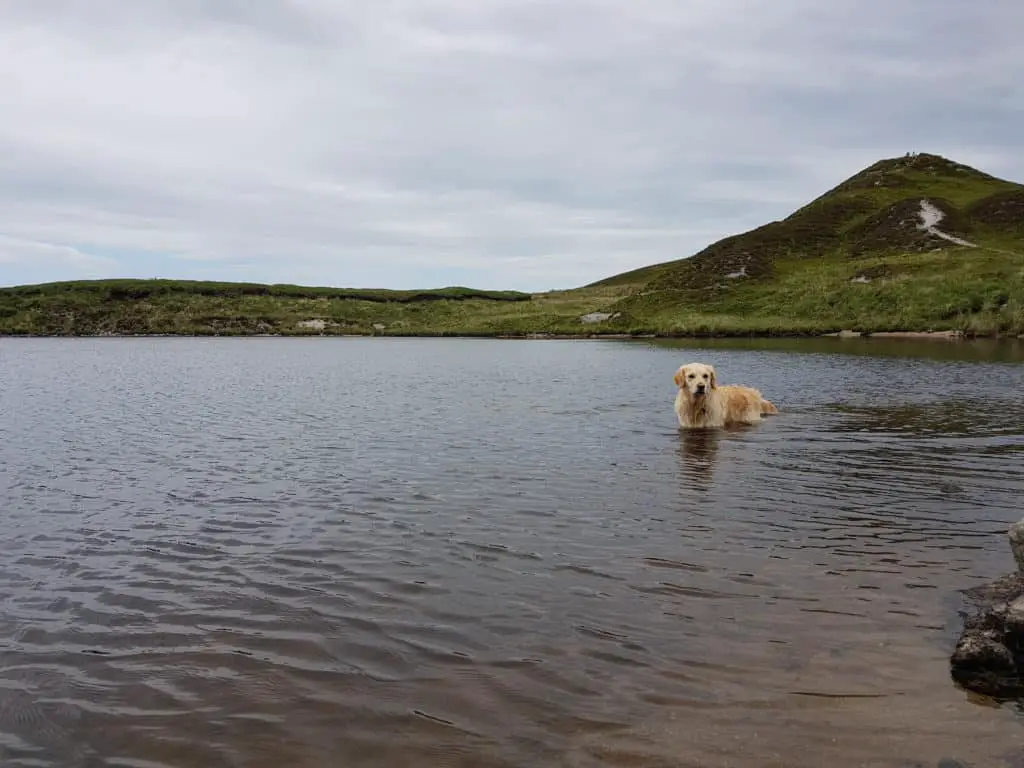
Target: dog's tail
767	406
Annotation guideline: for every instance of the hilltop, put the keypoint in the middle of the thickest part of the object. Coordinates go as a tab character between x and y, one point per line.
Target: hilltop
912	243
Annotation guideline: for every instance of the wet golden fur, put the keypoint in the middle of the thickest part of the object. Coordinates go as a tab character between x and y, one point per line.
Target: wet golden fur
701	402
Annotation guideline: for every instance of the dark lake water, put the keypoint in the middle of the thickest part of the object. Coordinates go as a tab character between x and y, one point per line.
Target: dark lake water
376	552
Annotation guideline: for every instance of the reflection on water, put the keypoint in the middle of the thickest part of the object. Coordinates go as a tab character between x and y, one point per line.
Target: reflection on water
385	552
973	350
962	417
698	451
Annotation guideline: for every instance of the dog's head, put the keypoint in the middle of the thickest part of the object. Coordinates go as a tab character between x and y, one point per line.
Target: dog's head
696	379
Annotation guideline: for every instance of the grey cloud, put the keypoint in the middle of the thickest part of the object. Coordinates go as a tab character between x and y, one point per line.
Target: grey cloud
524	144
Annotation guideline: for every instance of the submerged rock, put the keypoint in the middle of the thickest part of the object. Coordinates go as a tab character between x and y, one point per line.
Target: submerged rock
989	655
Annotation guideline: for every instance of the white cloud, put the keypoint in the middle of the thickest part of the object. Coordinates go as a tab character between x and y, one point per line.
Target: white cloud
517	144
44	256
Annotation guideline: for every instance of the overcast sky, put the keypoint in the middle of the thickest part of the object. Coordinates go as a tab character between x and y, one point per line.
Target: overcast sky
527	144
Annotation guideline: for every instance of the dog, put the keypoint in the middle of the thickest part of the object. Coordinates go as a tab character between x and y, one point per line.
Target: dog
702	403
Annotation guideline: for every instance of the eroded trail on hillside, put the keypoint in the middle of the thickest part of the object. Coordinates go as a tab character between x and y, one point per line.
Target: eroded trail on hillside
930	218
931	215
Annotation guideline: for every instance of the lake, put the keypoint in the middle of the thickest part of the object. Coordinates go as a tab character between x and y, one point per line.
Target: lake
431	552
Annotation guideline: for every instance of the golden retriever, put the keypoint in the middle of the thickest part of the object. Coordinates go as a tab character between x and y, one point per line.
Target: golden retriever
702	403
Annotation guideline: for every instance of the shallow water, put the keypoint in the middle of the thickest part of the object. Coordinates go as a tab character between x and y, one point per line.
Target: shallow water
313	552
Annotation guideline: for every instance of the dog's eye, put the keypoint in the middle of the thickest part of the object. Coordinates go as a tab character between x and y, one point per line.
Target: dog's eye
692	376
705	375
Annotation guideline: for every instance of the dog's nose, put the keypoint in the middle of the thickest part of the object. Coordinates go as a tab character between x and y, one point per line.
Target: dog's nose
700	388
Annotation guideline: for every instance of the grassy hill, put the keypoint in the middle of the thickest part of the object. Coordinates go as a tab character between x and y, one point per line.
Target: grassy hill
858	257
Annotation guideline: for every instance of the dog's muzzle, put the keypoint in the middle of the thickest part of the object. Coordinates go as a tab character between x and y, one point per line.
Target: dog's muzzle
701	389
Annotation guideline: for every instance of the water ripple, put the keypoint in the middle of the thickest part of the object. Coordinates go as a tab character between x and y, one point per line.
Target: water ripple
231	553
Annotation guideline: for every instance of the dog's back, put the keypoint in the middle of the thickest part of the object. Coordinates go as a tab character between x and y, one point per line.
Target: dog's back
741	404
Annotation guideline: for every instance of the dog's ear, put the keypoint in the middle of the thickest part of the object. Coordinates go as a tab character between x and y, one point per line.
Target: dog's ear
714	381
680	376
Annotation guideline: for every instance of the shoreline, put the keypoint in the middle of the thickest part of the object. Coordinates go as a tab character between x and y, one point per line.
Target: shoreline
949	336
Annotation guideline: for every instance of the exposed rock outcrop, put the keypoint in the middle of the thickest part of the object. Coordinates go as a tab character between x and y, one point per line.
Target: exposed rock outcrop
989	655
598	317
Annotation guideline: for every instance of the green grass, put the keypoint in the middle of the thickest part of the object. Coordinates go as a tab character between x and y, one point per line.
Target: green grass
183	308
148	289
798	279
980	292
973	290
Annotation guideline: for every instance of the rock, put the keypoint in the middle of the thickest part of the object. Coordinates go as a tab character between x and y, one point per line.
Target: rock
983	663
989	655
989	660
983	650
1017	543
598	317
951	335
1013	616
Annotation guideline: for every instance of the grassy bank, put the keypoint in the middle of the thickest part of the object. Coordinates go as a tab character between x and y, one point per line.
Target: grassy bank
183	308
975	291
